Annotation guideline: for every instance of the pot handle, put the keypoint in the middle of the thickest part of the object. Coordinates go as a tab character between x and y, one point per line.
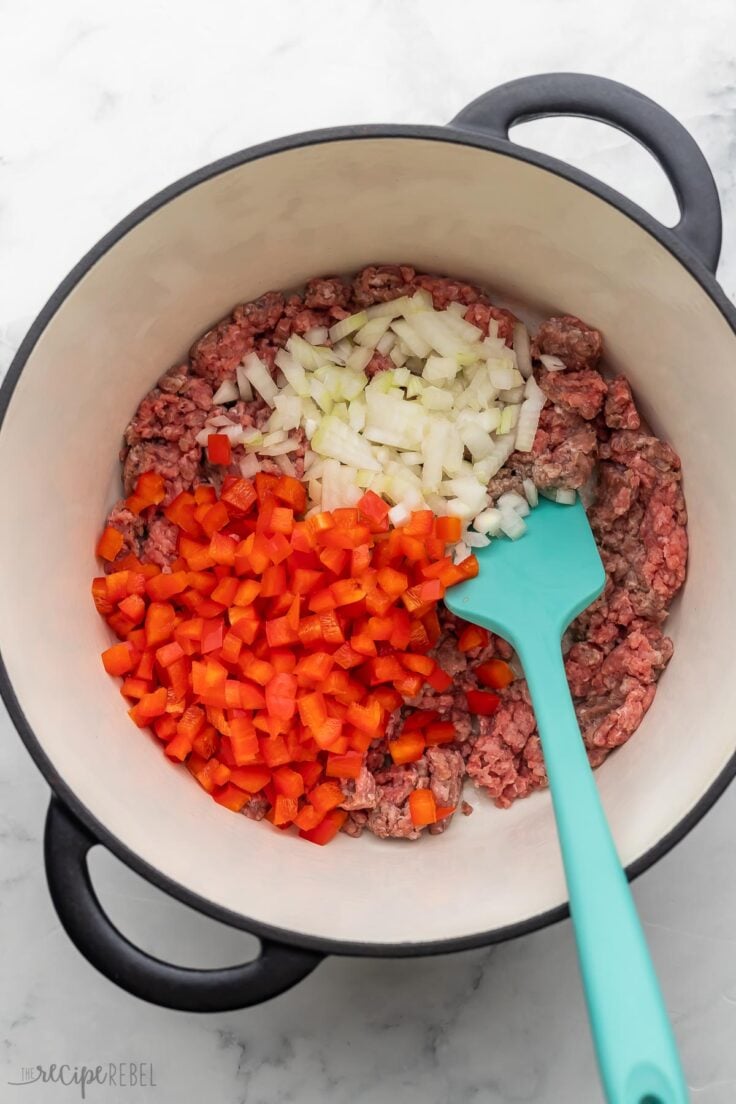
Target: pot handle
278	967
608	101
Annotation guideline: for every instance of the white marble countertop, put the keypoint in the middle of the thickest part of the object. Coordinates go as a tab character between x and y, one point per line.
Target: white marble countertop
105	104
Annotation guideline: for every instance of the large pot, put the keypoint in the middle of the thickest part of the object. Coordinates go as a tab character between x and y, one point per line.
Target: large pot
463	200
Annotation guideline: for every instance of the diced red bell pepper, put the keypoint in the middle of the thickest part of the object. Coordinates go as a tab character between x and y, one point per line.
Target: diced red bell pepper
243	740
495	673
308	818
206	741
219	449
316	666
327	828
388	697
420	664
213	633
419	720
119	659
448	529
160	621
178	747
392	581
422	808
133	607
281	696
109	543
386	668
472	637
250	779
329	733
169	653
419	524
288	782
348	765
482	702
409	685
367	717
408	748
292	492
230	796
239	495
439	680
439	732
135	688
326	796
312	710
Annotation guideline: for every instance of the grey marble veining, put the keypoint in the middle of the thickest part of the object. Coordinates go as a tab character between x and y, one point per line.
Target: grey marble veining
103	105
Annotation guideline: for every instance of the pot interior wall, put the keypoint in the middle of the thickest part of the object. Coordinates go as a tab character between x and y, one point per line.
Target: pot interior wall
518	229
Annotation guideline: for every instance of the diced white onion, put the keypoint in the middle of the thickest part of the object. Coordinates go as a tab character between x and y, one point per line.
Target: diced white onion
369	335
475	540
529	414
488	521
317	336
227	392
260	378
244	387
399	514
530	491
553	363
386	344
347	326
522	349
512	525
513	501
249	465
286	465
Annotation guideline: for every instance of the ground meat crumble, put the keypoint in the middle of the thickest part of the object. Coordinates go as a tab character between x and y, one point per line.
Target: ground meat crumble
590	435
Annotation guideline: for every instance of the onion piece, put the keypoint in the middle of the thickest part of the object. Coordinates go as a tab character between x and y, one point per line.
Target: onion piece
529	414
244	387
370	334
249	465
522	348
227	392
530	491
286	465
317	336
347	326
553	363
337	441
260	378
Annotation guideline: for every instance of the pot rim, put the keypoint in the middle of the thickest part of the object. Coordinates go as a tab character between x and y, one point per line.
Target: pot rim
666	237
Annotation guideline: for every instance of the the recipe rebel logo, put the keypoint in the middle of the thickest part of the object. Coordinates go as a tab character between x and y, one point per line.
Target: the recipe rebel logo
110	1075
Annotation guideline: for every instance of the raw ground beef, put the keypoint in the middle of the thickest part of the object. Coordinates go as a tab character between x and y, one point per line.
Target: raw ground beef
590	436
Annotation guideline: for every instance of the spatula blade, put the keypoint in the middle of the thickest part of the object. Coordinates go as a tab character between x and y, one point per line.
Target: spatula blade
553	572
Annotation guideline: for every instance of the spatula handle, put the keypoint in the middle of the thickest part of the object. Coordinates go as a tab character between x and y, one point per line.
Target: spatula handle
633	1039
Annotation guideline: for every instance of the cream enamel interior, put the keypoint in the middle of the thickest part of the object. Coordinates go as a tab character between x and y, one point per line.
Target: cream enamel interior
328	207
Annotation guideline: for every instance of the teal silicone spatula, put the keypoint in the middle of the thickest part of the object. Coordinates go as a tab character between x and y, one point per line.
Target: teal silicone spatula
528	591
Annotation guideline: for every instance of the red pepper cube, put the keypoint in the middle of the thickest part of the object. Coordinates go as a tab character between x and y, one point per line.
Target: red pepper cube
222	548
216	518
439	732
288	782
348	765
230	797
448	529
219	449
160	622
422	808
472	637
109	544
119	659
151	488
408	748
482	702
239	495
439	680
495	673
327	828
